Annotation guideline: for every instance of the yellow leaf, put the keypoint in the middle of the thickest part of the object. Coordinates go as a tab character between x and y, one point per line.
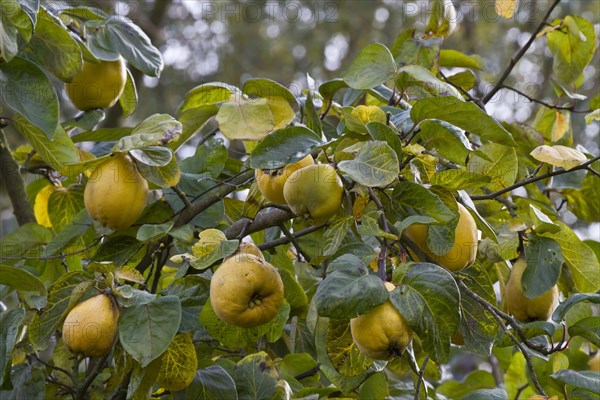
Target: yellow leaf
561	125
506	8
559	156
283	113
40	206
209	239
593	116
179	364
366	114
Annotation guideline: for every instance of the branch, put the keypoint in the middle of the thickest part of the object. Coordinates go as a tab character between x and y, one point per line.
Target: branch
90	378
515	59
285	240
534	100
292	239
493	195
420	379
13	183
265	218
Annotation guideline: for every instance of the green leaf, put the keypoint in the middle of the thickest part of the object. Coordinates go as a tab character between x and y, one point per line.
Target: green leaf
456	179
62	296
476	380
501	164
208	94
58	152
384	133
268	89
294	294
102	135
487	394
330	88
443	18
349	289
54	47
561	310
541	222
588	328
544	259
465	115
428	299
129	98
28	383
573	47
335	234
530	330
284	146
245	120
156	130
193	120
465	80
20	80
26	237
417	204
455	59
153	156
373	66
165	176
235	337
121	35
411	49
579	200
256	377
151	232
117	249
477	326
9	329
420	77
580	259
313	122
375	387
375	165
211	383
13	20
586	380
146	330
224	249
20	279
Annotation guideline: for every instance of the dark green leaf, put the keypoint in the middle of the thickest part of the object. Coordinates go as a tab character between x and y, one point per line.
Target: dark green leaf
588	328
476	380
151	232
416	204
487	394
210	383
330	88
118	249
146	330
129	97
349	289
384	133
9	329
20	79
561	310
465	115
28	383
256	377
428	299
21	280
28	236
586	380
530	330
13	20
544	259
375	165
417	76
313	122
284	146
373	66
266	88
335	234
294	294
54	48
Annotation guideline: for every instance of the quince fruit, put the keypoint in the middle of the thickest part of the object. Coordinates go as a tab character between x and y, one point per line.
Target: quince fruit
382	333
270	181
116	193
522	307
314	192
464	249
97	85
90	327
246	291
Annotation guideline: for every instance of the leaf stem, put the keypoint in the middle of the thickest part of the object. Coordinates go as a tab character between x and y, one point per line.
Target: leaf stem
420	378
80	395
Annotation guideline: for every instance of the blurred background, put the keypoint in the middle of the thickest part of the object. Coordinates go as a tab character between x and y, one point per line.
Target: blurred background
232	41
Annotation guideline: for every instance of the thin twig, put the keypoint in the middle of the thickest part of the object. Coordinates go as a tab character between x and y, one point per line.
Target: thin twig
515	59
285	240
547	105
80	395
64	371
420	379
381	267
292	239
525	182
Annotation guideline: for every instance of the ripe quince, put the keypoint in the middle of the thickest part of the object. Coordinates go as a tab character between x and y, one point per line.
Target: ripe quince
246	291
90	327
270	181
314	192
382	333
464	249
97	85
116	193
